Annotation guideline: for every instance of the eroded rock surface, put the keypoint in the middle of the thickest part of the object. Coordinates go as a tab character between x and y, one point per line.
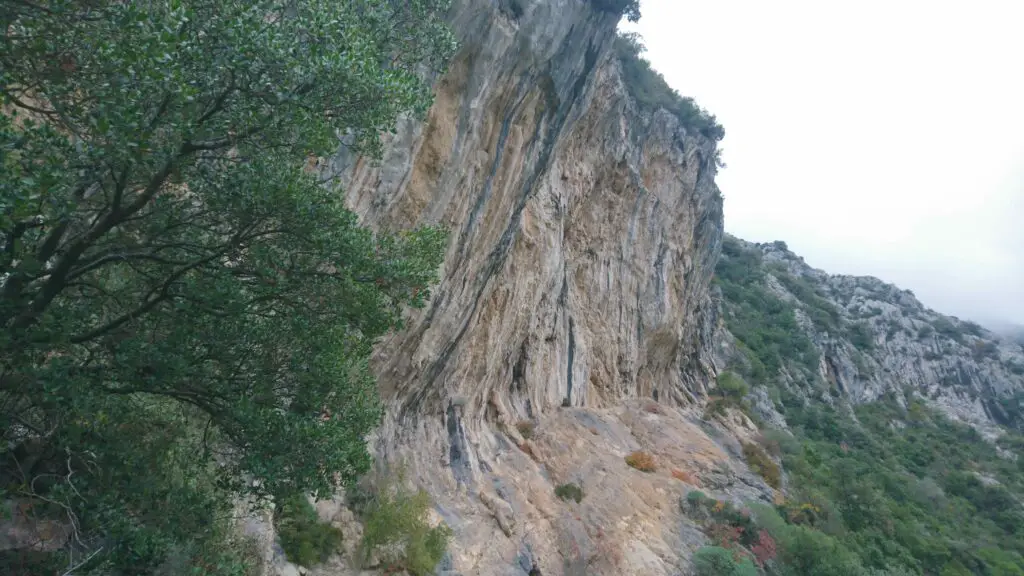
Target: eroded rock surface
584	236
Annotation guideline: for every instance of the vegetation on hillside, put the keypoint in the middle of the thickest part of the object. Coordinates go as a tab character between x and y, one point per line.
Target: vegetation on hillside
186	314
765	326
649	89
876	489
397	533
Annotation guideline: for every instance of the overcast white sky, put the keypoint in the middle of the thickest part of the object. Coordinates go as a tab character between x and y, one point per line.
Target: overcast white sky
875	137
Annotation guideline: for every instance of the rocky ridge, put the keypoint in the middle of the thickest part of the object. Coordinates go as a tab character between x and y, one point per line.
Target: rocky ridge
873	338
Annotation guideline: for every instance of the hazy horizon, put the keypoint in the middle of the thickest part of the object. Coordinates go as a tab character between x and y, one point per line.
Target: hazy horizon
873	138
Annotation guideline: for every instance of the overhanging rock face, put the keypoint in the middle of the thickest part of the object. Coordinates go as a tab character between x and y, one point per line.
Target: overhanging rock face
584	233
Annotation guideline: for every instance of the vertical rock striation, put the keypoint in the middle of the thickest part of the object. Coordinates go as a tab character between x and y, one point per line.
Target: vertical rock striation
584	233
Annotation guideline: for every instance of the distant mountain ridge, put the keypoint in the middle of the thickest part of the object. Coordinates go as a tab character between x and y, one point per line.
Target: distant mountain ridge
860	338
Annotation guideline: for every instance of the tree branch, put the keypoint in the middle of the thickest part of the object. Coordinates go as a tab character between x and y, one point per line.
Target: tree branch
162	294
121	257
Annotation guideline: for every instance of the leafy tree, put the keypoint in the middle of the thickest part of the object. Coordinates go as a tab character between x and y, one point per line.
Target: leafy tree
185	311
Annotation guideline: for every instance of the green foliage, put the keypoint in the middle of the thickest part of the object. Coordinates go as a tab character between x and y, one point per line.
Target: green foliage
695	497
173	284
730	384
808	552
762	464
396	530
929	496
861	336
716	561
305	540
765	325
651	92
945	327
569	491
822	313
910	497
805	551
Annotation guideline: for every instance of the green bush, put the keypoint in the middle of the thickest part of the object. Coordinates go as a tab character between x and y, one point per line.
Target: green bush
807	552
716	561
822	313
945	327
651	91
694	498
730	384
804	551
396	530
765	325
306	541
762	464
861	336
569	491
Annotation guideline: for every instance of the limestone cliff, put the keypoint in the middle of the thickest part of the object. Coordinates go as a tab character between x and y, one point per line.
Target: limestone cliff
576	321
872	339
584	233
576	282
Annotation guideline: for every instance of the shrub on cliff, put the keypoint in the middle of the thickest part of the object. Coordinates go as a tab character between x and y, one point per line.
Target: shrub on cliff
717	561
569	491
642	461
306	541
174	285
651	91
762	464
730	384
397	533
861	336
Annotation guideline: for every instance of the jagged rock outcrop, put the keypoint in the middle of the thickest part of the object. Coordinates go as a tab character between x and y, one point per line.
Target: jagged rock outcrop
874	338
